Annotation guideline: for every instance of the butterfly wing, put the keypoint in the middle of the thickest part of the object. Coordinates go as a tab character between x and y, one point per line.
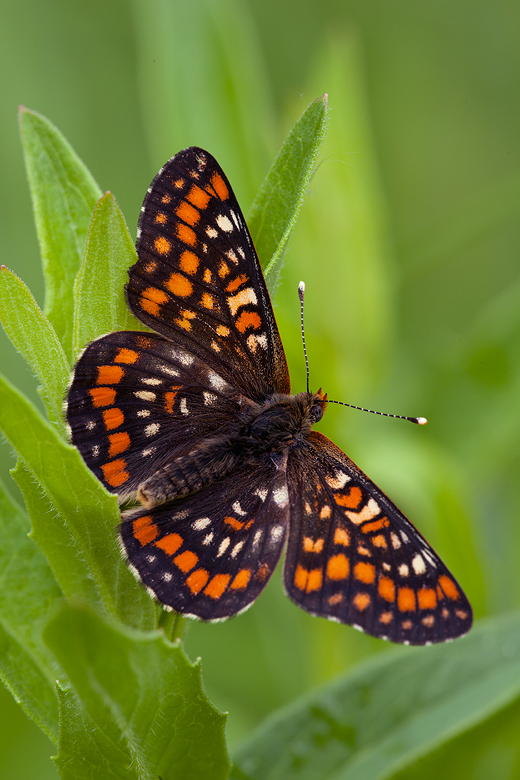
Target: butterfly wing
198	280
355	558
137	401
210	555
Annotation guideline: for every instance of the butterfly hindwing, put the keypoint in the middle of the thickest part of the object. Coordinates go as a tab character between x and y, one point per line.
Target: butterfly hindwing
198	281
211	554
355	558
137	401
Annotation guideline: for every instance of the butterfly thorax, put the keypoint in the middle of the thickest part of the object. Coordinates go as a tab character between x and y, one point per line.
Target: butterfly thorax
265	430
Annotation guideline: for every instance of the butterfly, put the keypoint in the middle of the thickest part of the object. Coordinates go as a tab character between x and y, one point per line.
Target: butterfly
196	419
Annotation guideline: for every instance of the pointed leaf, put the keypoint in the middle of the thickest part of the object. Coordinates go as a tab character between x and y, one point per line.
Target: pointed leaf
389	711
28	592
279	200
144	696
87	508
33	336
99	299
63	194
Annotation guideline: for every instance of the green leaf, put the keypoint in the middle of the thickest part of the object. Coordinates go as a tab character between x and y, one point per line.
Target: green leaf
279	200
63	194
33	336
100	305
143	695
83	504
391	710
100	756
28	592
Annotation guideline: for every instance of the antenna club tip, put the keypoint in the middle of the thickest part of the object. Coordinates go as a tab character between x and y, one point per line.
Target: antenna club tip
301	287
421	420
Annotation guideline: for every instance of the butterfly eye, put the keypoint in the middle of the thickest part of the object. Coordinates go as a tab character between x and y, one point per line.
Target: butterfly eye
316	413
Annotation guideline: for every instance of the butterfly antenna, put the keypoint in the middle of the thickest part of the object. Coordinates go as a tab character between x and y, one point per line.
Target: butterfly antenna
417	420
301	293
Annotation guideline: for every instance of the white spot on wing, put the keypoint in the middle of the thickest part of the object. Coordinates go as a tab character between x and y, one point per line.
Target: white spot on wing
211	232
236	549
224	544
261	493
201	523
145	395
419	566
338	480
182	406
152	429
242	298
209	398
396	542
277	533
91	425
151	381
403	570
224	223
143	413
216	381
281	496
238	509
208	539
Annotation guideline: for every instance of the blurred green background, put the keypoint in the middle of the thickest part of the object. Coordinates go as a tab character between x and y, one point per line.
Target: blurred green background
408	243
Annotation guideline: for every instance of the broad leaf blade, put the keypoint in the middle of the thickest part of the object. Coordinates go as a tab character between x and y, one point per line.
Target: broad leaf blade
144	695
63	194
390	711
28	592
87	508
85	752
99	301
33	336
279	200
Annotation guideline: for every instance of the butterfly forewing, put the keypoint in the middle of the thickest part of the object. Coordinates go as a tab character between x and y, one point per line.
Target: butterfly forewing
354	557
198	280
210	555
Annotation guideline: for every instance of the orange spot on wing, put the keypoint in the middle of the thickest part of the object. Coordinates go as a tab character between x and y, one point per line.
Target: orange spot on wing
234	523
115	472
189	262
197	580
300	577
113	418
144	530
186	561
207	276
170	543
448	587
352	499
427	598
309	545
361	601
198	197
178	184
314	580
152	299
187	213
102	396
119	442
109	375
338	567
217	585
219	185
223	269
242	579
179	285
380	541
162	245
376	525
386	617
166	198
207	301
186	234
248	319
235	283
386	588
263	571
365	572
222	330
161	218
342	536
126	356
169	399
337	598
406	600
